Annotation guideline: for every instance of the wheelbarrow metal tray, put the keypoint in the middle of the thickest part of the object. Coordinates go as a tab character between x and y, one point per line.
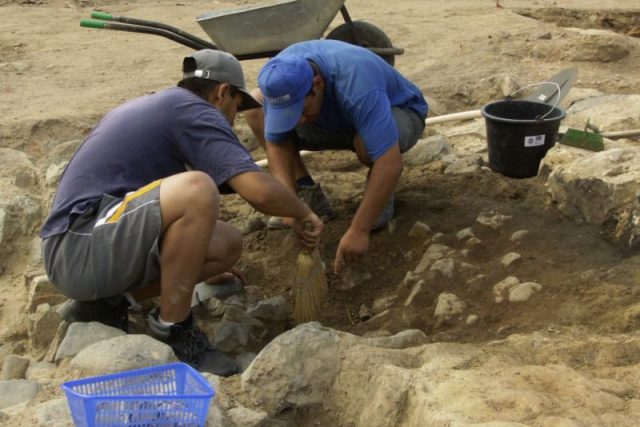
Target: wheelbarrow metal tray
270	26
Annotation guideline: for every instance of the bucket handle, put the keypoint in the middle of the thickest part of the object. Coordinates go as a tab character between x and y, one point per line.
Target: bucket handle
557	94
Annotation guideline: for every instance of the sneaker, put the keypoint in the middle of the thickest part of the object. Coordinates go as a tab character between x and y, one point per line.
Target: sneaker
315	198
112	311
192	346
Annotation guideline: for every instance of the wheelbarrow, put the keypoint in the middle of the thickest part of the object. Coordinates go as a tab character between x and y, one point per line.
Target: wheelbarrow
263	30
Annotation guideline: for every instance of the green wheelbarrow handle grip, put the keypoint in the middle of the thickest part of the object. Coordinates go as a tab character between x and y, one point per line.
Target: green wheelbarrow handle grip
101	15
91	23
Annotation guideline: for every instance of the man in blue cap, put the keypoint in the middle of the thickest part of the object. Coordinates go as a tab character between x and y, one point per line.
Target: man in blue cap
330	95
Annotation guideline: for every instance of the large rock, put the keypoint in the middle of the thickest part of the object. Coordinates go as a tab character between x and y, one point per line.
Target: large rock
14	392
534	379
601	189
609	113
81	335
426	151
456	384
295	369
122	354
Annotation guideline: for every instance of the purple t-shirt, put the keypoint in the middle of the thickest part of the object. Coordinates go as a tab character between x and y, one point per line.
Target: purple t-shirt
148	138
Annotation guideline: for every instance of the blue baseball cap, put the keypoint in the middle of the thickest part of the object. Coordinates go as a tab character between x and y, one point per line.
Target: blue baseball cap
284	82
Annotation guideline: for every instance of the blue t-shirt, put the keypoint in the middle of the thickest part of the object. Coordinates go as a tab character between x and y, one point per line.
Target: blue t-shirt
360	90
148	138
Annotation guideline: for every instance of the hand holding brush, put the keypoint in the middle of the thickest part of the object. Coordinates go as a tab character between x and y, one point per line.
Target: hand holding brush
310	283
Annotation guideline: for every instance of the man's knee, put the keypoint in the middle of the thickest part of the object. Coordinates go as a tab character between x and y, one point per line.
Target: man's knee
190	189
410	128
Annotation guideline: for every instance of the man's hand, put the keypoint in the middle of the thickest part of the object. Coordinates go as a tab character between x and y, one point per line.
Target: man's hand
353	245
308	228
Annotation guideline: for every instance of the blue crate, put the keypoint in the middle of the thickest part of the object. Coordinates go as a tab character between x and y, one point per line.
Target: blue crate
167	395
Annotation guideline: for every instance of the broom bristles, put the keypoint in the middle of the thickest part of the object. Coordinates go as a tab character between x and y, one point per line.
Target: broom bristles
311	286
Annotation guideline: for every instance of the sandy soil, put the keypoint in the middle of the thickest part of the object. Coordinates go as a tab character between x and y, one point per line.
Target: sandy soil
57	78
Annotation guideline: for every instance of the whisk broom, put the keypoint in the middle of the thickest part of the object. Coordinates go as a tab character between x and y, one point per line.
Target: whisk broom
310	286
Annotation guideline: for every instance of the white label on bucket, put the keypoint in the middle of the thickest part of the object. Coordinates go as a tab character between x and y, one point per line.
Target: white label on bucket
534	141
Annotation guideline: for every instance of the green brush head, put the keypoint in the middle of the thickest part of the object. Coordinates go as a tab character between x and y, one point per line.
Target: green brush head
582	139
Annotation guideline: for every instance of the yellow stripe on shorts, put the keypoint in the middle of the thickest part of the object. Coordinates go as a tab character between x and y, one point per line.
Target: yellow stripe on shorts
129	197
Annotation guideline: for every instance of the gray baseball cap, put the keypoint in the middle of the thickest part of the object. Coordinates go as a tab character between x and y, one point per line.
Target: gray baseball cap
222	67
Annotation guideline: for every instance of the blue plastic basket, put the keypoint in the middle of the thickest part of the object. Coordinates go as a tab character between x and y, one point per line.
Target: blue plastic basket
168	395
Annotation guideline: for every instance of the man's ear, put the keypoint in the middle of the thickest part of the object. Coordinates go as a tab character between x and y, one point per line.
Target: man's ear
222	89
318	83
217	94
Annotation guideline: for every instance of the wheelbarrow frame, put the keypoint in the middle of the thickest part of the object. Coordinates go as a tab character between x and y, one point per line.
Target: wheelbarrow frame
354	32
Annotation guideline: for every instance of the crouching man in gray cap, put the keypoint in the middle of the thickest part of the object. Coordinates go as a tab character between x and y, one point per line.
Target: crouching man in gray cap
136	210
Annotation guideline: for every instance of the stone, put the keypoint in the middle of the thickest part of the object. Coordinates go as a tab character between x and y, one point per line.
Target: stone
41	372
417	288
519	235
602	190
433	253
510	259
448	306
121	354
364	313
419	230
230	336
25	178
444	267
405	339
272	309
381	304
501	288
53	174
464	234
492	220
43	291
426	151
81	335
14	367
296	369
14	392
42	330
523	291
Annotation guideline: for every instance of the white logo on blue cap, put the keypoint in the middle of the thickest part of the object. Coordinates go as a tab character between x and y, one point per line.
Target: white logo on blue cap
278	99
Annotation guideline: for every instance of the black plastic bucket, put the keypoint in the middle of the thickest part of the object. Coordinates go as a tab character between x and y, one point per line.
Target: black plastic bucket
519	134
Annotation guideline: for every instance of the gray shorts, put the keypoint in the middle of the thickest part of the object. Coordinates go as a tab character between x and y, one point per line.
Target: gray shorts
315	138
110	249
